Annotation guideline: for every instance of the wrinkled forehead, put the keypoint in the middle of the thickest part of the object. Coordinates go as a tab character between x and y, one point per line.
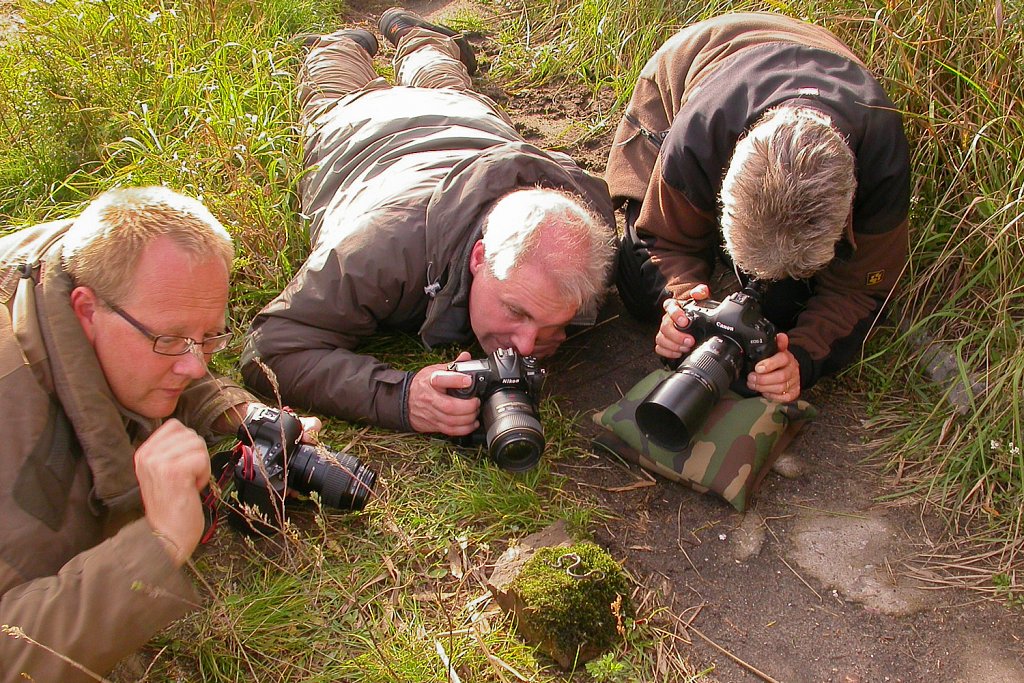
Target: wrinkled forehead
535	292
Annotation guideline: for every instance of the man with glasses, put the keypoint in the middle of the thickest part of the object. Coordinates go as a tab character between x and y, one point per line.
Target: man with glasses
108	324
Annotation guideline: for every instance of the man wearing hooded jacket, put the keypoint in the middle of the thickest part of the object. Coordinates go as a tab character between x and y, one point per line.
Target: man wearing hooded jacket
420	200
766	142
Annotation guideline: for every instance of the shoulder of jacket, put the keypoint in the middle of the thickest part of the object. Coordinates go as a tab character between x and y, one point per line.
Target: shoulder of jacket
21	252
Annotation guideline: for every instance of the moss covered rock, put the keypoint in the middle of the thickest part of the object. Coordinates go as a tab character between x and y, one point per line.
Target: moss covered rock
572	601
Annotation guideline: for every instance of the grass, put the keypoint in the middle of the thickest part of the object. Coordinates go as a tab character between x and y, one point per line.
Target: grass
199	95
363	597
377	595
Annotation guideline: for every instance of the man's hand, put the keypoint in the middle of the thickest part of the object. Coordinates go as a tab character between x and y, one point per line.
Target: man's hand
672	341
777	378
431	409
310	429
172	467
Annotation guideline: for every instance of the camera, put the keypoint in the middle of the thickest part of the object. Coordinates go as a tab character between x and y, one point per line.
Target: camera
507	384
272	460
731	336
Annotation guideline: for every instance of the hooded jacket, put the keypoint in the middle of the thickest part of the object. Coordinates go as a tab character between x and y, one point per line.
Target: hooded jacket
81	571
695	97
401	178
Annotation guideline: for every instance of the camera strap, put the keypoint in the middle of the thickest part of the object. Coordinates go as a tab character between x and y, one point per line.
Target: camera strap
222	467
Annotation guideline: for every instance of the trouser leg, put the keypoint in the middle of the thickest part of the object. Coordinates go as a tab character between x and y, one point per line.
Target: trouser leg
334	68
426	59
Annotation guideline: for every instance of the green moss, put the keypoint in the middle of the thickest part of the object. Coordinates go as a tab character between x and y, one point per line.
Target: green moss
575	615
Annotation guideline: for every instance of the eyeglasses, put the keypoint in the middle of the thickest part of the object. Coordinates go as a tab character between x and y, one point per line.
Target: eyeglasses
172	345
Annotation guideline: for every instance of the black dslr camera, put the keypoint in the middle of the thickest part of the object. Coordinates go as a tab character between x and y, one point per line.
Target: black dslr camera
732	336
507	385
271	460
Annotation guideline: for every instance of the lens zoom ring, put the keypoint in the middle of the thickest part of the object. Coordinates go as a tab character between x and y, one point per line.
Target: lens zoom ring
514	421
348	485
708	366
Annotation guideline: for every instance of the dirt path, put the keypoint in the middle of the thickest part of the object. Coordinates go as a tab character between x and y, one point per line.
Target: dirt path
809	586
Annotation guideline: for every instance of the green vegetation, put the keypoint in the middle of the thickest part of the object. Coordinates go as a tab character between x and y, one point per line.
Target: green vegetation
368	596
199	96
607	669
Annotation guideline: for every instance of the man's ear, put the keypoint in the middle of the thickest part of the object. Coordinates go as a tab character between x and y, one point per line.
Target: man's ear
84	303
476	257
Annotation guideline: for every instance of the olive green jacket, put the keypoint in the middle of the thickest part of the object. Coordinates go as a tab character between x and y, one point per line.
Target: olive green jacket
81	571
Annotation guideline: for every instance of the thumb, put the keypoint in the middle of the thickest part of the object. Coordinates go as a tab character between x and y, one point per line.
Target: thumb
464	355
782	341
700	292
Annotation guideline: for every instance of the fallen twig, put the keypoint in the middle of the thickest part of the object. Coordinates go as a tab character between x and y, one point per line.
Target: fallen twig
749	667
820	599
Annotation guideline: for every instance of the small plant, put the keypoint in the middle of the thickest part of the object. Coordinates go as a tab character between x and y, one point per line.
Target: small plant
608	669
1013	597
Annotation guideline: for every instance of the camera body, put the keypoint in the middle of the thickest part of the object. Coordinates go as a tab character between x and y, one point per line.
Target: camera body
273	460
732	336
507	385
738	319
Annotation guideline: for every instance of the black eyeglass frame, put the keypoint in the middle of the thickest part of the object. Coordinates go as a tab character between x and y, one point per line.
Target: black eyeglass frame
219	341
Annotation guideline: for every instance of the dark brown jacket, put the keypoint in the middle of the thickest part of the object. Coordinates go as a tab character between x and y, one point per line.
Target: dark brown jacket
80	569
696	95
402	178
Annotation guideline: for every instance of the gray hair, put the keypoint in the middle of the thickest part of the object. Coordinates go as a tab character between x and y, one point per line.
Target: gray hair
103	246
556	229
787	194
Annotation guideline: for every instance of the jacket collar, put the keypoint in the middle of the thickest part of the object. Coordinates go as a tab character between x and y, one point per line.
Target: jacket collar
82	389
455	212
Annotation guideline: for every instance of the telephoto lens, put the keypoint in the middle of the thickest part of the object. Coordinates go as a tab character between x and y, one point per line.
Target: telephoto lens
340	479
676	409
732	337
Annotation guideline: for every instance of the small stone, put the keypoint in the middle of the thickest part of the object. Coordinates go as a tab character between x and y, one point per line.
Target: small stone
507	568
748	539
789	465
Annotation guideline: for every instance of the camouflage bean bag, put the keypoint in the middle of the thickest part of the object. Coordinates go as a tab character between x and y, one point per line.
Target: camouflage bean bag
730	454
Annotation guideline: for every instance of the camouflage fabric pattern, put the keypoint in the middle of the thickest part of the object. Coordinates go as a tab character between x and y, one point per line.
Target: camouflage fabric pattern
731	453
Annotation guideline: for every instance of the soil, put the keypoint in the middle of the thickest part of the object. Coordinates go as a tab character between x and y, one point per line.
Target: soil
815	582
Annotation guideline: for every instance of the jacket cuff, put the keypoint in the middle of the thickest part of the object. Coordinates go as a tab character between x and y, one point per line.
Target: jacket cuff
208	399
406	384
229	396
809	370
391	403
147	563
